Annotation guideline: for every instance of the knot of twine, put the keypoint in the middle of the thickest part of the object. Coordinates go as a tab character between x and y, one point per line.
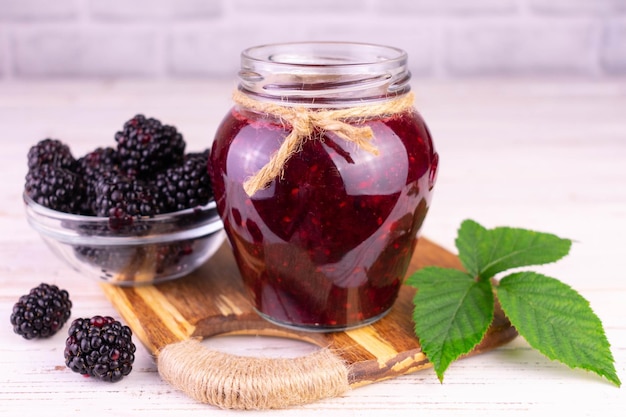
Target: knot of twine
247	383
304	122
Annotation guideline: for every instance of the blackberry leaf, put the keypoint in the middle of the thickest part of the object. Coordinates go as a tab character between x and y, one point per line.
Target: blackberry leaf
452	313
453	309
557	321
486	252
472	242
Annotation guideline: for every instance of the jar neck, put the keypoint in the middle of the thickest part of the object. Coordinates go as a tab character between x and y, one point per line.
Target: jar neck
323	74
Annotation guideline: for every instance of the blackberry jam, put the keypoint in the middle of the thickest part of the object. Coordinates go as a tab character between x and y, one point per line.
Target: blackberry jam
324	242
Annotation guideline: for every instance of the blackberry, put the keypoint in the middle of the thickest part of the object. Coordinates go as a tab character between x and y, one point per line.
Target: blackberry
136	263
202	154
51	152
172	254
123	199
100	347
41	312
93	166
146	146
56	188
145	174
108	259
186	185
98	162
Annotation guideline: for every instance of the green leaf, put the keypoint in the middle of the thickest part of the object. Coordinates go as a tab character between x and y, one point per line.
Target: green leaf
486	252
452	313
557	321
453	309
472	242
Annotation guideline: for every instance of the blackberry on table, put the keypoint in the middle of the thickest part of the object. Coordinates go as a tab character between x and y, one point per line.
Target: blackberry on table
146	146
186	185
100	347
41	312
51	152
56	188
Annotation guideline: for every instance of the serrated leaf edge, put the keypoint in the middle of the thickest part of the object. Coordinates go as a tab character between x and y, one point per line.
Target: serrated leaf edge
548	351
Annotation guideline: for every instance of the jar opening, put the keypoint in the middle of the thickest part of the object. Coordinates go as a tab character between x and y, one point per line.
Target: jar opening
327	54
323	72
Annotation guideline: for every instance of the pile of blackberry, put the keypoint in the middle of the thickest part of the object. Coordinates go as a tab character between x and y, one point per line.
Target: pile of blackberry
146	173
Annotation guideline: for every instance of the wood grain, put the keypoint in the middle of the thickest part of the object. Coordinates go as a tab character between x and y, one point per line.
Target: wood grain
212	301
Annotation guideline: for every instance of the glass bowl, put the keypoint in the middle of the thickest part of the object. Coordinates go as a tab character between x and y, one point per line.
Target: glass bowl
151	250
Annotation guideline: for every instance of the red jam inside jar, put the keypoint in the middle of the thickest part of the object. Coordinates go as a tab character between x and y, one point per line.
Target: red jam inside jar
326	245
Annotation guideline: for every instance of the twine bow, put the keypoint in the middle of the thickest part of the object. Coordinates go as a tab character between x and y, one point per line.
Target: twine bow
305	122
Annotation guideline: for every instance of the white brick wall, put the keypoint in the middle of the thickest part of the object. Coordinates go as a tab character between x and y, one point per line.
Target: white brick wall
146	10
203	38
614	47
74	51
448	7
552	46
34	10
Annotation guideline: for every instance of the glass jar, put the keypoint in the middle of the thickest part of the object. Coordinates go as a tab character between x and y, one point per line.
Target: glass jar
323	173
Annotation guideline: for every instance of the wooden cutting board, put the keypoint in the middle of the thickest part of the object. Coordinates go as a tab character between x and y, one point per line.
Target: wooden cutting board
170	319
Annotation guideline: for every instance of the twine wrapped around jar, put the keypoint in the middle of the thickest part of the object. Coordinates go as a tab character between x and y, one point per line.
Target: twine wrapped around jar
304	122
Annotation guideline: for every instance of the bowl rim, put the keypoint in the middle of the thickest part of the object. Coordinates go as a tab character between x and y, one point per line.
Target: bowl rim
61	215
35	212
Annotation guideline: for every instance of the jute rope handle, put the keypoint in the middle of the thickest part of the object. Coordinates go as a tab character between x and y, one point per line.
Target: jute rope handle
304	122
247	383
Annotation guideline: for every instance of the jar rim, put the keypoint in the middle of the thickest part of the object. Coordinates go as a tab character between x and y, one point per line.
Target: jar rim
323	73
324	54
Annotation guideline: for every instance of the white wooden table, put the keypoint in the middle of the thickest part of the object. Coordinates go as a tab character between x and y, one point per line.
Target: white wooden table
547	155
